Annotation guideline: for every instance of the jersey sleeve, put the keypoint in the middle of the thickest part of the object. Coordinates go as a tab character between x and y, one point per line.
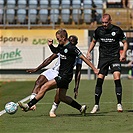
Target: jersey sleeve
54	49
122	36
95	35
77	52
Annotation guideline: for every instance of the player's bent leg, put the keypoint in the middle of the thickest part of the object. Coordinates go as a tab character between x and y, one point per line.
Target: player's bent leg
38	83
49	85
46	87
68	100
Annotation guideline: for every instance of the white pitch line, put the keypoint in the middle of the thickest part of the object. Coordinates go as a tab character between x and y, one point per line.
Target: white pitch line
23	100
27	98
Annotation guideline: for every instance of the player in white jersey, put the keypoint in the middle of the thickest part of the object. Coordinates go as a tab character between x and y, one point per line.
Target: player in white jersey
52	73
46	75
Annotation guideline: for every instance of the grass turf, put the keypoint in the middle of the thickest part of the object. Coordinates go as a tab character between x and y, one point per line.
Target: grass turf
68	120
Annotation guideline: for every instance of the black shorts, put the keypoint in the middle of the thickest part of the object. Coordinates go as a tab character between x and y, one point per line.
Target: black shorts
105	63
63	82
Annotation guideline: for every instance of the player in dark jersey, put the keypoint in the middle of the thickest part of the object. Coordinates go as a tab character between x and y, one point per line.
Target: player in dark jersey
52	73
78	63
68	53
108	36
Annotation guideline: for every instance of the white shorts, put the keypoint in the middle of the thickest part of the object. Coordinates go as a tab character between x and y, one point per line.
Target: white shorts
50	74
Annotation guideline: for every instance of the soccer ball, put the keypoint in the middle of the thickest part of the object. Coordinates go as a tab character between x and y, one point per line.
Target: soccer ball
11	108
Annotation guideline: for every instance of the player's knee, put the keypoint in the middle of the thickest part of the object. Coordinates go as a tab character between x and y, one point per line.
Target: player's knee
38	83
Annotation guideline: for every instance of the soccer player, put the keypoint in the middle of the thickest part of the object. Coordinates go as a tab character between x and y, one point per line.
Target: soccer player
68	53
78	63
108	36
52	73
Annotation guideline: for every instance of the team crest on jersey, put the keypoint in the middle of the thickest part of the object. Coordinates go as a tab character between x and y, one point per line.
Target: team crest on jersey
65	50
113	33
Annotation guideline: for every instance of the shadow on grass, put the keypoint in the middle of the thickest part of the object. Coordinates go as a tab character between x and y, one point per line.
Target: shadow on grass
109	113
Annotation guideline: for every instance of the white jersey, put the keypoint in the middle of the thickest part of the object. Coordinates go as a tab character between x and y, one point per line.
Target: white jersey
53	72
57	64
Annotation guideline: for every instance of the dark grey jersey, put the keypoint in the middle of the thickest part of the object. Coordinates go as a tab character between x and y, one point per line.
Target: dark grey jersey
68	55
109	40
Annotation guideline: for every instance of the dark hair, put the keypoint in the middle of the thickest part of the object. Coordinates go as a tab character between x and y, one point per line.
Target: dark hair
73	39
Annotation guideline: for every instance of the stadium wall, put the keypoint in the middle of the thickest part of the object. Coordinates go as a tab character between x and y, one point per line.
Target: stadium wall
25	49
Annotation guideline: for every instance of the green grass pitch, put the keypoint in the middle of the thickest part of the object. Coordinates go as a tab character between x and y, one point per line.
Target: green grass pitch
68	120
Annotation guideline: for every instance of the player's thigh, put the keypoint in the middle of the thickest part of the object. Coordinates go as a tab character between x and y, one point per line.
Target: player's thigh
51	84
41	80
101	76
115	68
50	74
103	65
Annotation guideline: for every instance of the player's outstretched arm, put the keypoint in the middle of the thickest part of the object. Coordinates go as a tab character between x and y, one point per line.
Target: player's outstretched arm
92	44
96	71
44	64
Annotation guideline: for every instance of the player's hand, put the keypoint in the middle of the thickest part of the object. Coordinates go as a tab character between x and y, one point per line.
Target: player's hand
122	57
96	71
88	56
31	70
50	41
75	93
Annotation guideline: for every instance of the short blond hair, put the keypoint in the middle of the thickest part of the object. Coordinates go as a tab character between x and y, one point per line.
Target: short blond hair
62	33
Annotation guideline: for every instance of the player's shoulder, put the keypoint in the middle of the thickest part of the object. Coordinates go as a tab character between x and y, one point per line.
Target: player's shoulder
70	45
99	28
115	27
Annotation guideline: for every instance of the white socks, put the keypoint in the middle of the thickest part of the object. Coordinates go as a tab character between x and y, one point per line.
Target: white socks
32	96
54	107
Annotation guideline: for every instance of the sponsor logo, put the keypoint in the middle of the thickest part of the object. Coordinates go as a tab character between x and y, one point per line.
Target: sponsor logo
116	65
42	41
21	39
65	50
6	57
113	33
107	40
63	57
130	52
